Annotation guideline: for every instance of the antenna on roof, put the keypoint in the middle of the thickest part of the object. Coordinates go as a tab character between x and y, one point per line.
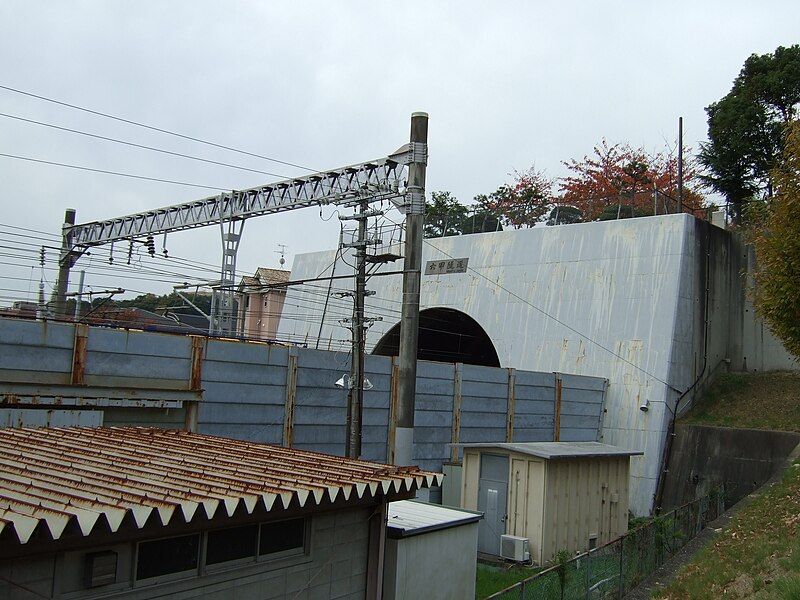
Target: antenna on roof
282	251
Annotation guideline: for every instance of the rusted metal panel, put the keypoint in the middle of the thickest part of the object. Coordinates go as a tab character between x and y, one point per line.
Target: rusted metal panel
557	420
32	394
455	437
512	401
393	400
196	366
51	478
26	417
78	376
291	396
192	409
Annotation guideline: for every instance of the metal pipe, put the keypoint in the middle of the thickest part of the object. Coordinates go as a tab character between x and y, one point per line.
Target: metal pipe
409	322
79	297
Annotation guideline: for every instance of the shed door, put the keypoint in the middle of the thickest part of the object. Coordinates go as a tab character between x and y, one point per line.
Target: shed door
492	502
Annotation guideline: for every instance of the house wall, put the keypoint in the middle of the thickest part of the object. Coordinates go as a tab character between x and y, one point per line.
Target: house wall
438	564
336	566
260	314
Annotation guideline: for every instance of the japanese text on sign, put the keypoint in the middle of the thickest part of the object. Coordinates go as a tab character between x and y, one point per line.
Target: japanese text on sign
445	267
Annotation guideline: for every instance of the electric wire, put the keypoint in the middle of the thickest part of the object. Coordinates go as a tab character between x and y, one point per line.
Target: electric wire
116	173
141	146
152	128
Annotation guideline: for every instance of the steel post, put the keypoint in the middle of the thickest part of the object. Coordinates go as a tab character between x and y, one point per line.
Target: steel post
409	322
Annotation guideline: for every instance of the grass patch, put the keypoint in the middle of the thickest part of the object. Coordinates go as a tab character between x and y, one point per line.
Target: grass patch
491	579
751	400
757	556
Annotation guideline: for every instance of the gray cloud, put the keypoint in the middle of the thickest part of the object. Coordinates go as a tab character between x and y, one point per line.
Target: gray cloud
325	84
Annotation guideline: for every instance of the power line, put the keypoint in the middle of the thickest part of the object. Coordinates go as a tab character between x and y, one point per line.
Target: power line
153	128
142	146
117	173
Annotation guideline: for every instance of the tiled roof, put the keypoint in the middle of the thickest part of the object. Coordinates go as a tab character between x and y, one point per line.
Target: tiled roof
268	276
247	280
82	478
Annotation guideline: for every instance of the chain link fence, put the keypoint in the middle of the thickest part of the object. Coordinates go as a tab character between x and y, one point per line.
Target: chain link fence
614	569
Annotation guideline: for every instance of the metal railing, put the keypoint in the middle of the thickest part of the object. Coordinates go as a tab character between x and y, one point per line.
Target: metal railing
614	569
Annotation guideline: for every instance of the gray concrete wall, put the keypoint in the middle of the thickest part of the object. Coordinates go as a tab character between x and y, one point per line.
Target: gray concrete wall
440	564
741	459
336	567
622	300
245	390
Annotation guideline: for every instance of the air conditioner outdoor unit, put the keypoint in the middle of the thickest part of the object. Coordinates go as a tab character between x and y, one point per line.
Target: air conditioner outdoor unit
514	548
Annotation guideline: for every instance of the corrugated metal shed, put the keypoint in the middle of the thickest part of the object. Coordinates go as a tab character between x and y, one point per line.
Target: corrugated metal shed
550	450
82	478
559	495
410	517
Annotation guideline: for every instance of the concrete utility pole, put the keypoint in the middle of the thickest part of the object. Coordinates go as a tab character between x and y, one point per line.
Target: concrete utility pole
412	270
680	164
355	397
64	264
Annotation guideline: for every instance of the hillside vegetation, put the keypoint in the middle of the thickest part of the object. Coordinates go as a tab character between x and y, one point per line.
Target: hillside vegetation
756	556
751	400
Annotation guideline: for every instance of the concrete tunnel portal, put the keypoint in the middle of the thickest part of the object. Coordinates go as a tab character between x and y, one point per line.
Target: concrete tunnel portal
445	335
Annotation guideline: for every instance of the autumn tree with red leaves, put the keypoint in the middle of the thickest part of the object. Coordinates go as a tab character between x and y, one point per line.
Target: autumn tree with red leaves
522	202
618	180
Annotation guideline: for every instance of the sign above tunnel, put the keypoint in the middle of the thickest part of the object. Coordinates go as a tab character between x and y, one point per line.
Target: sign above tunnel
446	267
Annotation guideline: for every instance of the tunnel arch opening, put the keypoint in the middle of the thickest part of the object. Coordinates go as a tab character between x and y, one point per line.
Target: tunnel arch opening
445	335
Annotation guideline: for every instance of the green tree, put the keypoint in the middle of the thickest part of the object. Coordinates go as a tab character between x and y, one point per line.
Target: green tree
444	215
564	214
522	202
745	127
482	217
155	303
777	244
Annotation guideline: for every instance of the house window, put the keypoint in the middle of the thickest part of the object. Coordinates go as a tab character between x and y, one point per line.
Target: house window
235	543
281	537
167	556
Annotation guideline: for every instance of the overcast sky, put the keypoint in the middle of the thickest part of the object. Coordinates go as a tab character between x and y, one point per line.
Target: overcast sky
325	84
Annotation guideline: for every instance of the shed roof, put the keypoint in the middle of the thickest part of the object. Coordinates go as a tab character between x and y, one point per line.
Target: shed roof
412	517
551	450
80	478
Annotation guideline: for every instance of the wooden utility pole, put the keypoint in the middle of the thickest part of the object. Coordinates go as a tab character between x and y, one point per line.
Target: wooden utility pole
412	270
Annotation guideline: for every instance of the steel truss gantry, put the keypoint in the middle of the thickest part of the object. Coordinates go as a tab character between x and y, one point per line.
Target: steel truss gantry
379	179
